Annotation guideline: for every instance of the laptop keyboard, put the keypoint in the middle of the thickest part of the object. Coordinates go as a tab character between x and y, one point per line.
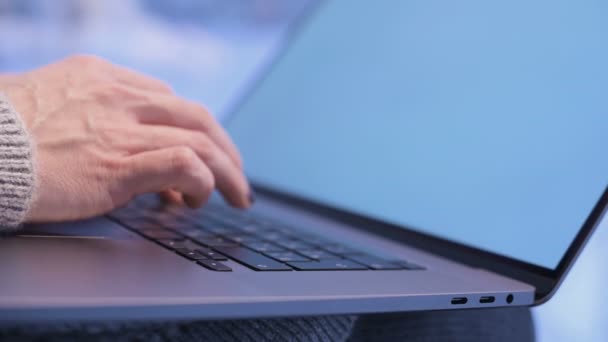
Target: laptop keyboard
215	234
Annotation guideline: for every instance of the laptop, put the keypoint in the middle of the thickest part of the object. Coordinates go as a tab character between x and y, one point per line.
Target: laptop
407	155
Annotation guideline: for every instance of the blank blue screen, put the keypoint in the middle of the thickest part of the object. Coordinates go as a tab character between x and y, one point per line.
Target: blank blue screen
482	122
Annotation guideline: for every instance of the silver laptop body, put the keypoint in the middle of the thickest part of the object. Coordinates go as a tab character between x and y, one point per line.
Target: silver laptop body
356	74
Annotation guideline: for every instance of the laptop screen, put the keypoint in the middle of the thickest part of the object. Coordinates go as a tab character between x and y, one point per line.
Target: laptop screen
481	122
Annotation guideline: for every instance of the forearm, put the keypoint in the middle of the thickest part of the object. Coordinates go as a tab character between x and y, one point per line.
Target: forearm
17	179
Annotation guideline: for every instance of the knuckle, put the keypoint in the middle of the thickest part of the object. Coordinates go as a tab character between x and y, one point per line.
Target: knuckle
217	158
117	169
114	165
184	161
208	182
204	146
204	192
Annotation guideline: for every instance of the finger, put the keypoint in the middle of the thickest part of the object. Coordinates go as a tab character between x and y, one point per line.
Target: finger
138	80
172	197
173	111
229	179
177	168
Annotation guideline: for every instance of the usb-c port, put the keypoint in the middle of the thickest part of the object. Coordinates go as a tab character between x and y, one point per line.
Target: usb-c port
459	300
486	299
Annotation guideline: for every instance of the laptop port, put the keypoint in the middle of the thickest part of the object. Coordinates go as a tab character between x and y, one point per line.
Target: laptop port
486	299
459	300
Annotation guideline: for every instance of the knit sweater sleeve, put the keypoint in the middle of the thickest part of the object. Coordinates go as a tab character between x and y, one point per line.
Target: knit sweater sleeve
17	178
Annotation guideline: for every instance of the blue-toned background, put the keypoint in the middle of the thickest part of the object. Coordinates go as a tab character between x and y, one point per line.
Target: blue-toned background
204	49
207	50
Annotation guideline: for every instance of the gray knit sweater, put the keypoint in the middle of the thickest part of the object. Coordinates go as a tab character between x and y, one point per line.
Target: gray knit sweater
17	181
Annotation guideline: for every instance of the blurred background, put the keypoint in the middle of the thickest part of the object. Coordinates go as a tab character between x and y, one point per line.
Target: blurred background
206	49
209	51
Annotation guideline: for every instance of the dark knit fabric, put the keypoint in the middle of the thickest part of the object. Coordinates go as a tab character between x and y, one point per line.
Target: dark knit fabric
488	325
491	325
314	329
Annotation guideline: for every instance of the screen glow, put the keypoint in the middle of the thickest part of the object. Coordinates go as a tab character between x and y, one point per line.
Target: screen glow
482	122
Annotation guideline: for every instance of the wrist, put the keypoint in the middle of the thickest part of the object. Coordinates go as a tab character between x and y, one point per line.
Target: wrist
19	98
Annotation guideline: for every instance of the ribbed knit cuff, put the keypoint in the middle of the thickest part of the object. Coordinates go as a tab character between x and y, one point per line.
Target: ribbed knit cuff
17	179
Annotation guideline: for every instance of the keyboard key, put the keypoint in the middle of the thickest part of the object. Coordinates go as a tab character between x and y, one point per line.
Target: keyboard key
273	235
327	265
259	243
264	247
195	233
211	254
376	263
208	216
252	259
251	228
214	265
142	224
286	257
225	220
162	217
215	241
191	254
319	255
340	249
313	239
177	211
219	230
177	224
171	224
293	244
198	221
159	234
178	244
243	238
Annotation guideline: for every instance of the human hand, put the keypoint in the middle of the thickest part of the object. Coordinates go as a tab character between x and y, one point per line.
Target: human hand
104	134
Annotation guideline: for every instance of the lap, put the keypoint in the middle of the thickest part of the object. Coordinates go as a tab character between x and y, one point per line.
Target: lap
511	324
318	328
505	324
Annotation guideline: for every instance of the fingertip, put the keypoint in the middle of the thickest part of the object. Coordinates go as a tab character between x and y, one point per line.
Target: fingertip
172	197
238	204
246	202
248	198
